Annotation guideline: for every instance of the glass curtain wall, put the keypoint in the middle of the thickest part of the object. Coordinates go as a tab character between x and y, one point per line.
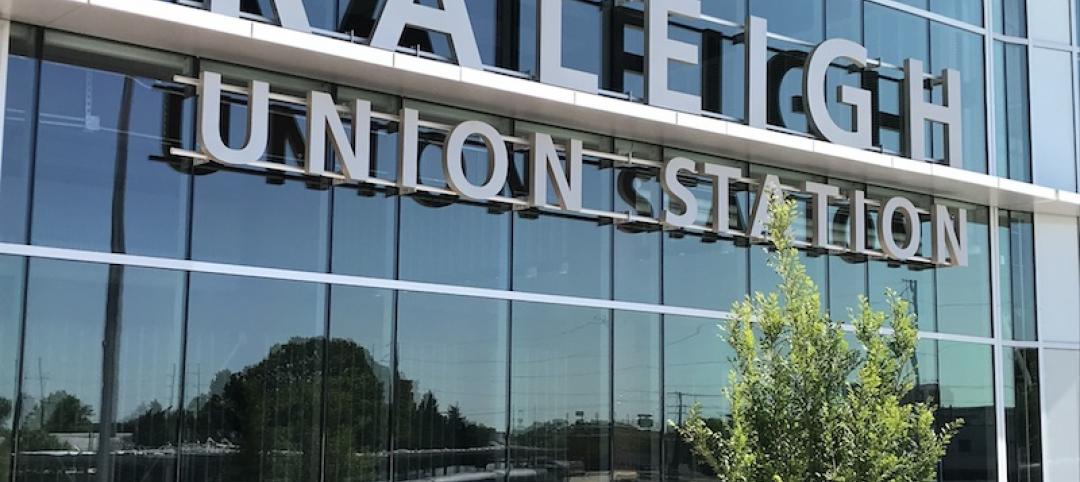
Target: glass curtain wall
151	373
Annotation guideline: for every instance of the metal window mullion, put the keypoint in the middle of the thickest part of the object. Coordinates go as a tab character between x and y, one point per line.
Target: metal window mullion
999	351
990	99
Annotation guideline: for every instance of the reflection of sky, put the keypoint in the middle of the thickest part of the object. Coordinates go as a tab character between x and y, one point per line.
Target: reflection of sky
456	348
696	366
233	322
637	367
66	322
11	279
560	364
76	155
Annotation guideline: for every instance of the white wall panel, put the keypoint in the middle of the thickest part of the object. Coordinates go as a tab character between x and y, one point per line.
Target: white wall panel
1061	415
1052	146
1049	20
1057	283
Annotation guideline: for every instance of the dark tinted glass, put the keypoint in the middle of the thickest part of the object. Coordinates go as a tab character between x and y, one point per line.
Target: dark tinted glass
1016	235
357	384
636	378
696	364
560	391
12	276
1023	432
253	378
451	389
19	122
104	389
1013	130
104	179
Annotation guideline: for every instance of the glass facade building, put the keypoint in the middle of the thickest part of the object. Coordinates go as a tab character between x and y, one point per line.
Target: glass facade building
164	317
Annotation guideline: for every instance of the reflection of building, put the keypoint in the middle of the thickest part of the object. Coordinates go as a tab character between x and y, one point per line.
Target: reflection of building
175	308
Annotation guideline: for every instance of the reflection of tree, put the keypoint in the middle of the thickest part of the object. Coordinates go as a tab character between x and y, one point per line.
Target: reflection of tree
59	412
5	438
266	416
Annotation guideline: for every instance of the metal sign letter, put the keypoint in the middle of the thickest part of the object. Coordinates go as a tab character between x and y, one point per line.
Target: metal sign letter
452	19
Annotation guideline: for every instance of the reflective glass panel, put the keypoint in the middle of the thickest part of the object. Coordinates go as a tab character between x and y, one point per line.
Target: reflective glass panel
262	218
1010	17
953	48
253	379
636	377
19	121
1011	105
103	392
696	365
637	245
357	384
451	387
959	377
1017	265
104	179
443	241
963	293
1023	430
12	276
560	391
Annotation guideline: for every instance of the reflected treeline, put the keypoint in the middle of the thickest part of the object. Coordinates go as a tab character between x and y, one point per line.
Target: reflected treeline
261	423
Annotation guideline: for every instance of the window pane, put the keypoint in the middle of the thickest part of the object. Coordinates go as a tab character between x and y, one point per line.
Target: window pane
637	246
1016	235
562	255
970	11
963	293
262	218
451	386
638	421
1010	17
803	20
91	326
696	367
104	179
65	317
364	232
443	241
1013	127
952	48
1023	439
560	391
358	384
253	379
257	219
959	377
19	119
11	300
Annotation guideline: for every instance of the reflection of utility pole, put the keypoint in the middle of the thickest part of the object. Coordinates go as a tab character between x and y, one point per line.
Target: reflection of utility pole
114	298
680	406
41	392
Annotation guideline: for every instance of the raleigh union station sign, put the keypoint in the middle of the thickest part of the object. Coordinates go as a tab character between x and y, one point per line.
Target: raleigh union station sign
564	172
